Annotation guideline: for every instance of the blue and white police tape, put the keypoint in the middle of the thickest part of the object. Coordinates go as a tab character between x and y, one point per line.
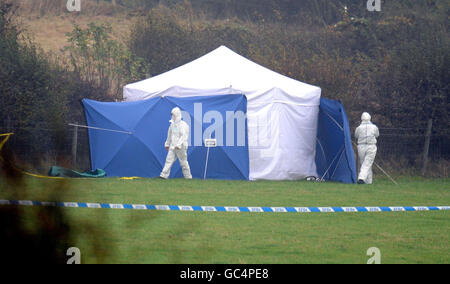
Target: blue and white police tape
225	208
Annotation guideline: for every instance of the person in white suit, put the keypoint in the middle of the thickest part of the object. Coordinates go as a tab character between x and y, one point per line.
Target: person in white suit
177	145
366	135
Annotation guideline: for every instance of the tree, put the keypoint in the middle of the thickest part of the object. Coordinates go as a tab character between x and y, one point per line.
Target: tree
102	61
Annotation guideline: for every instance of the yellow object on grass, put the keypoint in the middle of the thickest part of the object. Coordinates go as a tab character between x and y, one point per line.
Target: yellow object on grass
5	138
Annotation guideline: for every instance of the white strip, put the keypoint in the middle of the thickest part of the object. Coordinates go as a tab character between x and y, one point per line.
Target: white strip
255	209
443	207
71	204
302	209
232	209
421	208
209	208
326	209
373	209
185	208
116	206
397	209
26	202
278	209
4	202
162	207
349	209
139	207
93	205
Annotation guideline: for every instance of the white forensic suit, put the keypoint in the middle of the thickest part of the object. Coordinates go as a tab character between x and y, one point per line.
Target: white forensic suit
366	135
177	144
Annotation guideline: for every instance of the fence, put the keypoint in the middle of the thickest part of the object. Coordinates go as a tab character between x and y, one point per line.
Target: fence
37	148
400	151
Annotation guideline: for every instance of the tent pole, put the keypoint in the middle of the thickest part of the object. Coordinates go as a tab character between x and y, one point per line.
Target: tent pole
342	149
206	165
385	173
340	158
74	146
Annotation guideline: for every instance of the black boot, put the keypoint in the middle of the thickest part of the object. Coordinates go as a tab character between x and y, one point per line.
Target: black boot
360	181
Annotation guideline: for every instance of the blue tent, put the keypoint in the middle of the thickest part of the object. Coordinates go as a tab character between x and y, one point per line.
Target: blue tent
133	142
335	159
127	138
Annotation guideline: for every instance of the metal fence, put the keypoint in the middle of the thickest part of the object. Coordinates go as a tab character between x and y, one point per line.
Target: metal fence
401	151
36	149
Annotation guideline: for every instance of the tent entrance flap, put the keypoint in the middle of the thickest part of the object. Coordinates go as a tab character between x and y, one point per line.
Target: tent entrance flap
141	153
335	159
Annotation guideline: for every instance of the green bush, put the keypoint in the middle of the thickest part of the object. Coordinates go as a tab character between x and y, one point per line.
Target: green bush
38	95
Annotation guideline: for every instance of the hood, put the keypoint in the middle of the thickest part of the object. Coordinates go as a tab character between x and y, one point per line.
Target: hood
365	117
176	113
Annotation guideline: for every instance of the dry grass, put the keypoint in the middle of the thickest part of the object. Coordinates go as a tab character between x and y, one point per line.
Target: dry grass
50	31
59	7
401	166
48	21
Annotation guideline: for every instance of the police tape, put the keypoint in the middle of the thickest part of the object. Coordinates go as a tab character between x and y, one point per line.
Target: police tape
225	208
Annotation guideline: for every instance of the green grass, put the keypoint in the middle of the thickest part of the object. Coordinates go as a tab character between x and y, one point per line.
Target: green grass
125	236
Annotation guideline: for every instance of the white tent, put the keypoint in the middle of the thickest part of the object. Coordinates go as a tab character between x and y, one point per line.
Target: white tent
282	112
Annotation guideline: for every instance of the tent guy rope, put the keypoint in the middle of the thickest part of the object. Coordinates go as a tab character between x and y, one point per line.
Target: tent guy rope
98	128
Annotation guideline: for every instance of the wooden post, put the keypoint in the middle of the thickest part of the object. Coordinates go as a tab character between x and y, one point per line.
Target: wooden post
426	147
74	146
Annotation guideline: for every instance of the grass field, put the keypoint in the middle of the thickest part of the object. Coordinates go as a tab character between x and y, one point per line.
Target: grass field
126	236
